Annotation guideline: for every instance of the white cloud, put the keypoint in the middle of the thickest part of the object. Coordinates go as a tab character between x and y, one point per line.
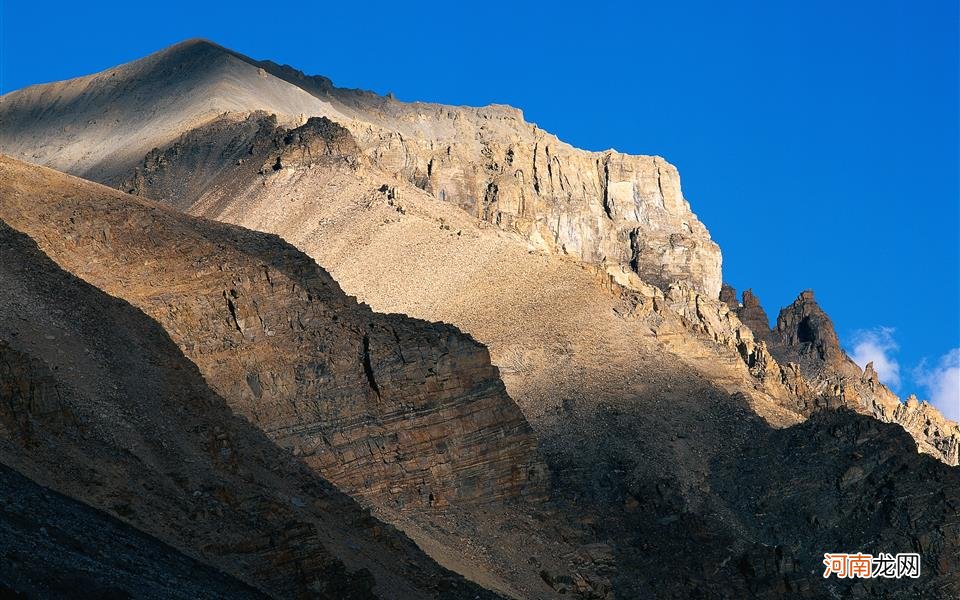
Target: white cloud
942	383
878	346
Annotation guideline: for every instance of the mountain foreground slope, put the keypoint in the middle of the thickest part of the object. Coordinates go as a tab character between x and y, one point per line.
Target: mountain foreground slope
656	419
101	405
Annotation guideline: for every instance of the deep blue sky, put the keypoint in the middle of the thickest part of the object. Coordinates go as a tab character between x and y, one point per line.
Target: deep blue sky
817	140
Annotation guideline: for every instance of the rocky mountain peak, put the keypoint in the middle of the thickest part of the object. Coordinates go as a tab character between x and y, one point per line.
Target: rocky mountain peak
728	295
804	329
801	362
752	315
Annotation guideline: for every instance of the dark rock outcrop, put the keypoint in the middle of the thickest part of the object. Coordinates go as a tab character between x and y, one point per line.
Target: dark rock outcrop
855	485
752	315
728	295
805	336
805	333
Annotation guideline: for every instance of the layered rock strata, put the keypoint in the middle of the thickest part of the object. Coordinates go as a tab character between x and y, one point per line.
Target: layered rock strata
407	412
249	161
97	403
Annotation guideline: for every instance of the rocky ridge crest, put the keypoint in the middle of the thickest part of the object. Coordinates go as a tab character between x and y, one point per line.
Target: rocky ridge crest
805	340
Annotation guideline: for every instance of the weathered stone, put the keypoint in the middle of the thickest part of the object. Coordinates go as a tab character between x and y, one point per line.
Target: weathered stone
805	335
728	295
753	316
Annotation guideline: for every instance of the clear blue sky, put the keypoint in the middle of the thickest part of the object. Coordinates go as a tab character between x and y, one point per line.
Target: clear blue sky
817	140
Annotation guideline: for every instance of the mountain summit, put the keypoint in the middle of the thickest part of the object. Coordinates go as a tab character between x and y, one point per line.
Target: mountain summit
601	207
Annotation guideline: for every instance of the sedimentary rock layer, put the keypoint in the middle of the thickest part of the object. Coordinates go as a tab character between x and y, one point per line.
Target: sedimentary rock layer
407	412
99	404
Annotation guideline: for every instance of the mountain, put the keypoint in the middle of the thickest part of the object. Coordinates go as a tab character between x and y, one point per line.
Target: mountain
382	237
407	413
135	107
629	407
600	207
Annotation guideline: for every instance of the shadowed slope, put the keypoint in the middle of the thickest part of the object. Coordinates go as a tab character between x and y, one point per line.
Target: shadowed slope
408	416
100	405
52	546
638	396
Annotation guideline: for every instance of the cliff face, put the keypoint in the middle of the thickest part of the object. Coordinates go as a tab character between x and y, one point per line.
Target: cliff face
800	364
601	207
640	397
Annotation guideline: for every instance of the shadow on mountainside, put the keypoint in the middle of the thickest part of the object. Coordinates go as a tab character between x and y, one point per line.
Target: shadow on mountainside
770	503
101	405
52	546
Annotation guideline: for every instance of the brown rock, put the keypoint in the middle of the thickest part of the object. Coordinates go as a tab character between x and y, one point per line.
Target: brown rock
374	402
753	316
728	295
99	404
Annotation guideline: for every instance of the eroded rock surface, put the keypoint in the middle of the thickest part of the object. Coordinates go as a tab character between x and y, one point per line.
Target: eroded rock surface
805	341
637	394
649	402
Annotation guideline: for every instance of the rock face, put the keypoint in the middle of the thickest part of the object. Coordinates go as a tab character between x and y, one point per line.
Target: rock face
753	316
657	410
728	295
99	404
407	412
805	334
601	207
613	373
852	481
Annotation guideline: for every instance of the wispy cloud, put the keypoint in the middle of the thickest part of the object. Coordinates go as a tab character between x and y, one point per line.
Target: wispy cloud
878	346
942	383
